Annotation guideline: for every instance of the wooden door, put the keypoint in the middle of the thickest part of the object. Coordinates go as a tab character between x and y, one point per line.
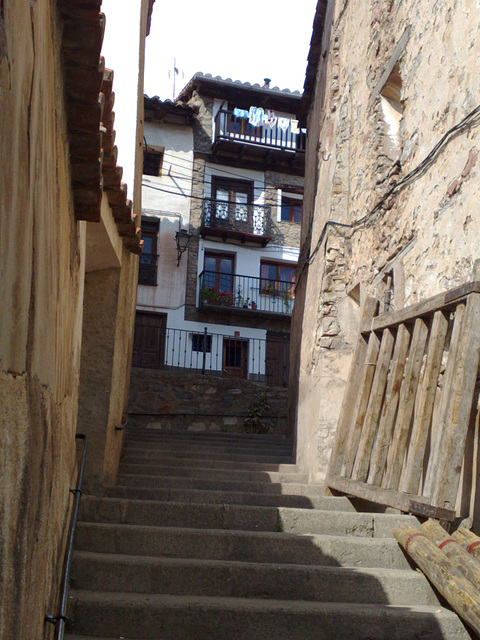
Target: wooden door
235	358
277	359
149	340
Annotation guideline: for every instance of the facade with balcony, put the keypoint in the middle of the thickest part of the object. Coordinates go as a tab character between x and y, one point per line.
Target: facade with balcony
224	162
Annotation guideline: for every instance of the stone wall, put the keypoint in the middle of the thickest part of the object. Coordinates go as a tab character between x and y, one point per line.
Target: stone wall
415	241
41	262
194	402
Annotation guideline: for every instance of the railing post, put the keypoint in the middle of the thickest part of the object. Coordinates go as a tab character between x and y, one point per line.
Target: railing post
284	360
205	337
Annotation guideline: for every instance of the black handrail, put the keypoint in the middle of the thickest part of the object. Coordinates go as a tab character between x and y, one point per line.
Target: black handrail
60	620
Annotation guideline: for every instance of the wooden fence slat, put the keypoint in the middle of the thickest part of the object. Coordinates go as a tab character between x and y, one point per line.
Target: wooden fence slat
438	424
423	411
460	406
370	425
351	390
387	419
406	404
388	497
361	404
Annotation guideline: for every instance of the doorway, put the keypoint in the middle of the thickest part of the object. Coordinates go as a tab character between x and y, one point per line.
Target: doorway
235	358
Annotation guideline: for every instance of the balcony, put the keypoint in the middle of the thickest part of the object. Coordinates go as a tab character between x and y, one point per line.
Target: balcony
238	136
233	221
248	295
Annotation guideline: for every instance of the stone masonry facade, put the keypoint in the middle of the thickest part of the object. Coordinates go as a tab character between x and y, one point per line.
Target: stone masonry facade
392	80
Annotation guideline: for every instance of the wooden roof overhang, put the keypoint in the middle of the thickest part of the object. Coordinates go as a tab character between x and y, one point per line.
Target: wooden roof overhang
89	100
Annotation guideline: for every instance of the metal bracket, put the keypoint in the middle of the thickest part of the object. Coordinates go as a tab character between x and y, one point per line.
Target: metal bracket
429	511
55	619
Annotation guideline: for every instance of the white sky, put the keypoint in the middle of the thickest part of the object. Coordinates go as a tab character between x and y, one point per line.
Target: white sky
247	40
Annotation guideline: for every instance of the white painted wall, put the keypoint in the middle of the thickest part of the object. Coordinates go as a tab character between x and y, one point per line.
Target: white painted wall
166	198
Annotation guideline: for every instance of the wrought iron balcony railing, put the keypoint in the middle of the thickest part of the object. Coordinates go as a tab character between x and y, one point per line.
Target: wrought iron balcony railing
147	272
226	215
245	294
220	354
228	127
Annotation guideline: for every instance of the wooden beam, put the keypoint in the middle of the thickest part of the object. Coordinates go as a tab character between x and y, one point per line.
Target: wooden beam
353	383
389	411
443	573
410	481
371	493
361	403
369	431
406	405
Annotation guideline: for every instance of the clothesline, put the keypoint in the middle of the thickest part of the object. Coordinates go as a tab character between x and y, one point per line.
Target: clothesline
257	116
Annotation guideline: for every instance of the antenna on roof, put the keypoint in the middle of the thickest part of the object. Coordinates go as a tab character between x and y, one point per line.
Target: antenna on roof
174	74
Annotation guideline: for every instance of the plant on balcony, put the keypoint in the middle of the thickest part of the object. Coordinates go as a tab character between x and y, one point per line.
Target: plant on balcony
209	295
240	301
269	289
286	294
226	299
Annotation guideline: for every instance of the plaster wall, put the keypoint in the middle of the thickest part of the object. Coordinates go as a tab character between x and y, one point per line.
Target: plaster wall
42	255
425	235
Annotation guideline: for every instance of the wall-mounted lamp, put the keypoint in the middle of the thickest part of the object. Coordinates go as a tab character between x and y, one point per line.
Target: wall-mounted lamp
182	238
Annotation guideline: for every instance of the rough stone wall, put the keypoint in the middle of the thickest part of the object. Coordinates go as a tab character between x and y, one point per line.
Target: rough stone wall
195	402
41	283
424	235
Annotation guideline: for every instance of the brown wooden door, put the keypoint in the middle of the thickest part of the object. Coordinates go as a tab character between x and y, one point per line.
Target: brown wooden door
277	358
235	358
149	340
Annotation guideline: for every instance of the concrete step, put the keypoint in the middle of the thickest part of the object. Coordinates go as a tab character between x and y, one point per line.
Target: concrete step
152	459
147	451
239	517
127	573
245	546
205	449
327	503
156	617
214	474
290	488
207	436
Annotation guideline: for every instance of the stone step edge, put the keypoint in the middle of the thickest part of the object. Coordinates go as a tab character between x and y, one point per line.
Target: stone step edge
254	604
147	561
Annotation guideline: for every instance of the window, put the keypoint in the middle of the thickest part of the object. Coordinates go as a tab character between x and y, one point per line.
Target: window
147	274
277	277
290	202
198	340
232	198
218	272
291	209
152	162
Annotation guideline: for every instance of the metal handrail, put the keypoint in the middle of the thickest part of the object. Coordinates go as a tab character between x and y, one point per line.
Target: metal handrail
60	620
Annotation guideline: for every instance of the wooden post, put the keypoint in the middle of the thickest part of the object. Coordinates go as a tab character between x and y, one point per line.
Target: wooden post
354	378
374	407
406	405
442	572
468	541
447	475
387	419
462	559
414	466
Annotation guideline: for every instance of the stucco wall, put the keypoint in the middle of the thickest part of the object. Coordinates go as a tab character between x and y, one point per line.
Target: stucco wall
425	235
41	266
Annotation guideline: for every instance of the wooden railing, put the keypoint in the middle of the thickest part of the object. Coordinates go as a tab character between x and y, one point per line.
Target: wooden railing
403	425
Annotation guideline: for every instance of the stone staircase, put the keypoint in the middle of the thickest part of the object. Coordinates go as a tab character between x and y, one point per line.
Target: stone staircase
218	537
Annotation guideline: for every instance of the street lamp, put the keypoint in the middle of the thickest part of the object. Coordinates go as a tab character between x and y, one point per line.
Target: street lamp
182	239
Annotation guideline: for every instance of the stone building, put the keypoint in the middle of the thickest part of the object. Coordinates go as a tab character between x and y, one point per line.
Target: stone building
236	189
69	261
391	186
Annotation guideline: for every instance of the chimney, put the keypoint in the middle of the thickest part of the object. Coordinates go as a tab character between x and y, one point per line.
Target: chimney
267	83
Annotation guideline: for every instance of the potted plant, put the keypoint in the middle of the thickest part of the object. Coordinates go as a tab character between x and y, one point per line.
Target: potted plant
209	295
286	297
